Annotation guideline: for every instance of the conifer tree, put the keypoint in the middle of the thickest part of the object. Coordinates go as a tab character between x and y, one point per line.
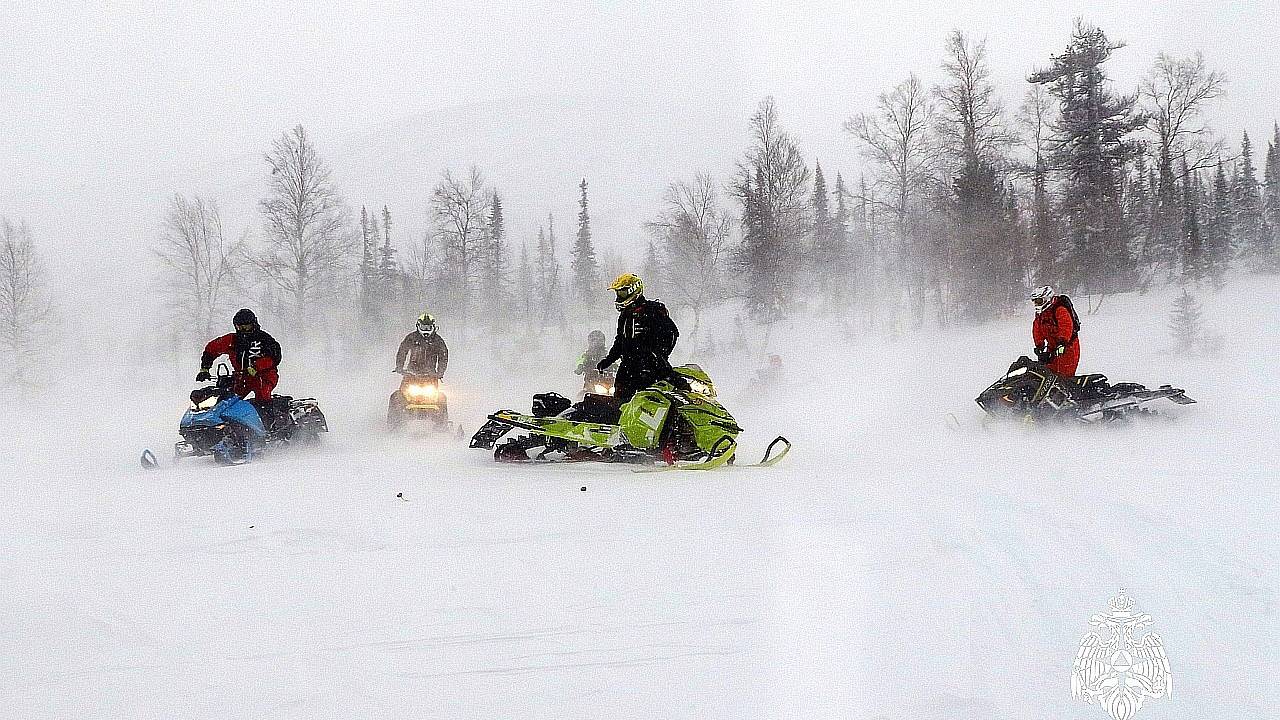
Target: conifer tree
586	270
1255	241
1220	230
1092	148
1186	324
1192	247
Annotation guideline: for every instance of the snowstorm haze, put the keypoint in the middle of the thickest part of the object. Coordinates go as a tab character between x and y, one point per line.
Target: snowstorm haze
859	218
109	111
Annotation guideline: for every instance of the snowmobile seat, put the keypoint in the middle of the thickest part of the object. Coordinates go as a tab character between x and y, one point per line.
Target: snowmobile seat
549	404
1092	384
274	412
597	408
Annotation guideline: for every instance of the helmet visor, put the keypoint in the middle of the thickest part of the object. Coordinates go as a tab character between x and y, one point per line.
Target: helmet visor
244	327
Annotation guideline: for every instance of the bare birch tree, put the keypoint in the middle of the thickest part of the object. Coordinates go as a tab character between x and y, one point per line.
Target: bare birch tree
26	302
898	138
694	233
459	210
308	238
199	265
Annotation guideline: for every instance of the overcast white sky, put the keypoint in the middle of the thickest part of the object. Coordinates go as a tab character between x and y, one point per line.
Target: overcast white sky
107	111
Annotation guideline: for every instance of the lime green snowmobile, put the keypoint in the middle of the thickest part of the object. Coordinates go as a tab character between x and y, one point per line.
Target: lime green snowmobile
677	421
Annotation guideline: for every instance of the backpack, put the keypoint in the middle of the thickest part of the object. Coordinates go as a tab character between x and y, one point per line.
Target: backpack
1075	319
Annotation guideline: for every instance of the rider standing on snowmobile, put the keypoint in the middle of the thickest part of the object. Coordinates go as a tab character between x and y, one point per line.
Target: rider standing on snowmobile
254	354
423	352
1056	331
596	351
646	336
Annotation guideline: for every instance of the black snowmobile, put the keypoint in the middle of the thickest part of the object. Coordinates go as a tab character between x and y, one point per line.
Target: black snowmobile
1031	392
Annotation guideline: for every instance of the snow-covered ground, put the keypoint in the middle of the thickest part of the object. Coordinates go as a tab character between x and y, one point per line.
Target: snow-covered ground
889	568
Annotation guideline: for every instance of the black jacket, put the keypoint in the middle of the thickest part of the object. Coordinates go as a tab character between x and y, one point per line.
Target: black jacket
255	348
426	354
646	336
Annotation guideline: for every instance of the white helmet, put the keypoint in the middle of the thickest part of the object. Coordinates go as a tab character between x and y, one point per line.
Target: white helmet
1042	296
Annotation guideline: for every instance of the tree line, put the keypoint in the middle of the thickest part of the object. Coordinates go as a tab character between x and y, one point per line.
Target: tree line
961	205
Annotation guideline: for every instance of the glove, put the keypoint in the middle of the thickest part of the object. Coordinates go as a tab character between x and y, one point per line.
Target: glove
203	375
253	371
604	364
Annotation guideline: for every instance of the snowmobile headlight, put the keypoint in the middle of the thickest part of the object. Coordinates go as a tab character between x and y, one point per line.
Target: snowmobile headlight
702	388
421	391
603	389
206	404
1017	372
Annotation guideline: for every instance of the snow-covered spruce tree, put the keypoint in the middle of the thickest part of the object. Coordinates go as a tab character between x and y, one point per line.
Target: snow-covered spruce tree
1256	244
550	299
1092	147
842	257
368	272
693	231
199	266
817	255
1191	250
27	315
307	241
586	270
389	273
497	266
1271	187
651	270
1186	324
1219	236
773	187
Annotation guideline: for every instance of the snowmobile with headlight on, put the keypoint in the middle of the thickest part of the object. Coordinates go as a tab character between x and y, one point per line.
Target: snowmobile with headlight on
234	430
1031	392
419	398
677	421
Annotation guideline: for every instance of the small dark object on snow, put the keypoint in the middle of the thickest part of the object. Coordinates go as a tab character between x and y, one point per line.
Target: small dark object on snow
584	488
401	496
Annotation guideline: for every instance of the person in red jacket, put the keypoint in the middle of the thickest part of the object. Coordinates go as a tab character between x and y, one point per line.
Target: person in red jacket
1056	331
254	354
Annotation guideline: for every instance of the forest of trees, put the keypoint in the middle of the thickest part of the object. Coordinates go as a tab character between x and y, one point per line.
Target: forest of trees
960	205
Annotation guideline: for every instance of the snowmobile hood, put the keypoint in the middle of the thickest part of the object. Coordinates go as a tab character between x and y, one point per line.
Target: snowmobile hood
699	380
230	409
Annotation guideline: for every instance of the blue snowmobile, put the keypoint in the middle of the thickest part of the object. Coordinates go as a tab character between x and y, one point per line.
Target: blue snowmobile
234	430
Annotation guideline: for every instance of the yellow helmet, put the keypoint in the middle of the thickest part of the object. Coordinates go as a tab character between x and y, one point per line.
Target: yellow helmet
628	287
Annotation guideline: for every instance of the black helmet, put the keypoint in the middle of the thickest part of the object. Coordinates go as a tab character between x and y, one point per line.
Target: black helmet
426	324
244	317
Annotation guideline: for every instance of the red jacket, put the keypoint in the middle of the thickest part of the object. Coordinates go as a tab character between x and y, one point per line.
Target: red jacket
256	348
1054	326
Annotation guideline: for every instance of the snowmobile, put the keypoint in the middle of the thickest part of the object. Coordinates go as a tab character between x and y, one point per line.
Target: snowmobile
1031	392
419	398
677	421
234	430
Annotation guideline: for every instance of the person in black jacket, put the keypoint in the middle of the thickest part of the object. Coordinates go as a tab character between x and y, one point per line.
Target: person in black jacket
255	357
645	339
423	352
